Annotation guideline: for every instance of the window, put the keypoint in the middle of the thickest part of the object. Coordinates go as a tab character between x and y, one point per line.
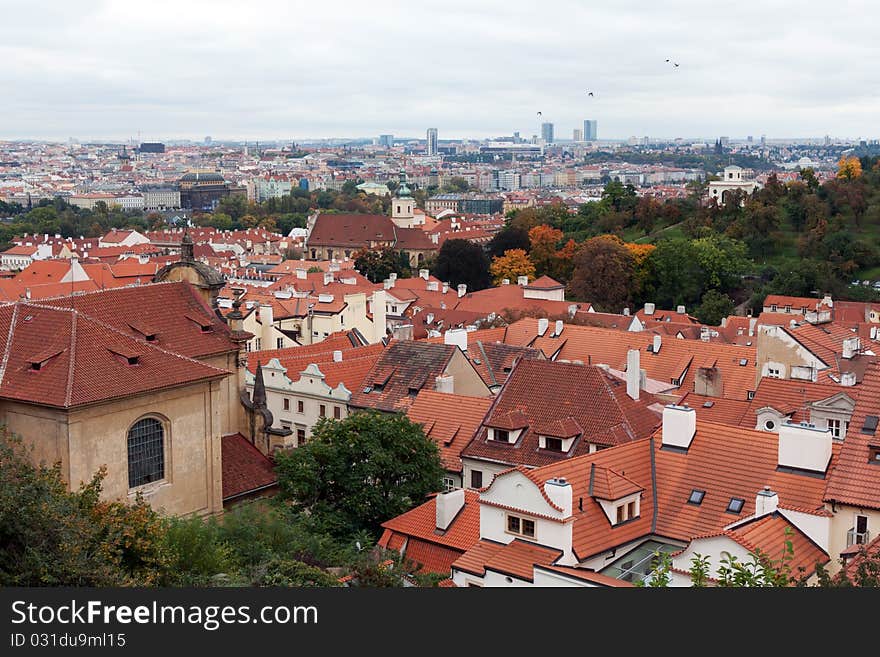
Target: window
501	435
631	509
300	437
279	343
774	372
448	484
146	452
874	454
476	479
521	526
337	412
870	426
621	514
696	496
750	394
286	404
735	505
769	425
773	308
554	444
257	344
834	426
322	411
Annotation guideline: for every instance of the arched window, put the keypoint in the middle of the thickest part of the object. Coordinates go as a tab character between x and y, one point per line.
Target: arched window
146	452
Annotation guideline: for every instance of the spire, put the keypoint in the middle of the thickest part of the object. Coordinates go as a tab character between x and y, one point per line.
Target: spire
187	253
403	190
259	397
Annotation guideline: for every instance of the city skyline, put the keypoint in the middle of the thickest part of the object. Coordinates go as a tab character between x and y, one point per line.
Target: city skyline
297	71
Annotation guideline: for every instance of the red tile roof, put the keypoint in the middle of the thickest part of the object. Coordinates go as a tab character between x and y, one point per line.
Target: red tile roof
718	409
351	230
768	534
245	468
429	557
856	480
790	396
421	522
543	396
450	421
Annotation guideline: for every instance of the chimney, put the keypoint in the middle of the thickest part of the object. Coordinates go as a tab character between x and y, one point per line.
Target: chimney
708	382
402	331
753	322
462	290
392	277
543	323
680	310
505	281
559	327
458	337
387	284
848	379
328	277
559	492
626	312
448	506
333	266
424	273
766	502
266	318
445	383
655	345
851	347
337	356
445	288
379	315
432	286
804	447
301	274
633	373
522	280
679	426
649	308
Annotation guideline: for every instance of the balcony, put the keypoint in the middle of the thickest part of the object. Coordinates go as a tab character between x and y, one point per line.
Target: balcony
857	538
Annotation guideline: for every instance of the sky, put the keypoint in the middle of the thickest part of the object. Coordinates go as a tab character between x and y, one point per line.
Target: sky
289	69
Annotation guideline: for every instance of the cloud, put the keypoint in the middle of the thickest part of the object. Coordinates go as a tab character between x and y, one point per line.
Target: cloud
299	69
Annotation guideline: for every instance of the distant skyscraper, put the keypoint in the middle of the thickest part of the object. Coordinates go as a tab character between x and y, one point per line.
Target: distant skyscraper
547	132
577	135
386	140
516	138
432	141
590	130
763	140
208	140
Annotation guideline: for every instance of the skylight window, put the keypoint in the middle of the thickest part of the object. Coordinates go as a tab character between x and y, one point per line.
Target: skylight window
743	362
696	496
870	426
735	505
708	404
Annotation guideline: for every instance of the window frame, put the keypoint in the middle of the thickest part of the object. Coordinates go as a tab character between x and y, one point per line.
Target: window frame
697	493
164	428
479	475
520	523
731	505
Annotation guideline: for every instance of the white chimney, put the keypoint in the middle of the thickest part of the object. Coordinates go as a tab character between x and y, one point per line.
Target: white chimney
658	341
387	284
559	326
445	383
505	281
559	492
543	323
266	319
424	273
458	337
432	286
328	277
445	288
679	426
462	290
753	322
804	447
851	347
633	373
429	318
337	356
626	312
766	502
522	280
448	506
649	308
392	276
848	379
301	273
680	310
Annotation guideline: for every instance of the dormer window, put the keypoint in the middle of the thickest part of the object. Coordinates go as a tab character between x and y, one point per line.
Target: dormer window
553	444
874	454
501	435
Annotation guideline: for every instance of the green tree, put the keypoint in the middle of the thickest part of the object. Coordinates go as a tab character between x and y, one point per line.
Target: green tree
377	265
462	261
456	184
714	307
509	237
358	472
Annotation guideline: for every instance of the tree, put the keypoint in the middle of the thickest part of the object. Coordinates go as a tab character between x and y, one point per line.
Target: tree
714	307
603	273
544	241
377	265
356	473
511	265
462	261
509	237
849	168
456	184
675	276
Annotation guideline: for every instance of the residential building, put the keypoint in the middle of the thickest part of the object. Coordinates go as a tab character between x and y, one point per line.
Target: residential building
547	132
734	179
431	147
161	198
591	130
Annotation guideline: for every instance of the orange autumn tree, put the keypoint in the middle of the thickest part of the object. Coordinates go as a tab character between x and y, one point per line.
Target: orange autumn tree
513	264
849	168
543	240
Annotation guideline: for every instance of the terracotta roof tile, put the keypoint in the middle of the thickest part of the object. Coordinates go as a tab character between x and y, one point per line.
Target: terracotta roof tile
450	421
245	468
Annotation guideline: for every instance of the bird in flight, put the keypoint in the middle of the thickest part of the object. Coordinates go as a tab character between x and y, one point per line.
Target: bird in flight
589	93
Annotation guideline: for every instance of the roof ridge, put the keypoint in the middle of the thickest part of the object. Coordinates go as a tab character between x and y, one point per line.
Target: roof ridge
8	346
71	365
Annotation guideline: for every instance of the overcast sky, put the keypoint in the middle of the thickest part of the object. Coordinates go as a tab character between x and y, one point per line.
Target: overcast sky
471	68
